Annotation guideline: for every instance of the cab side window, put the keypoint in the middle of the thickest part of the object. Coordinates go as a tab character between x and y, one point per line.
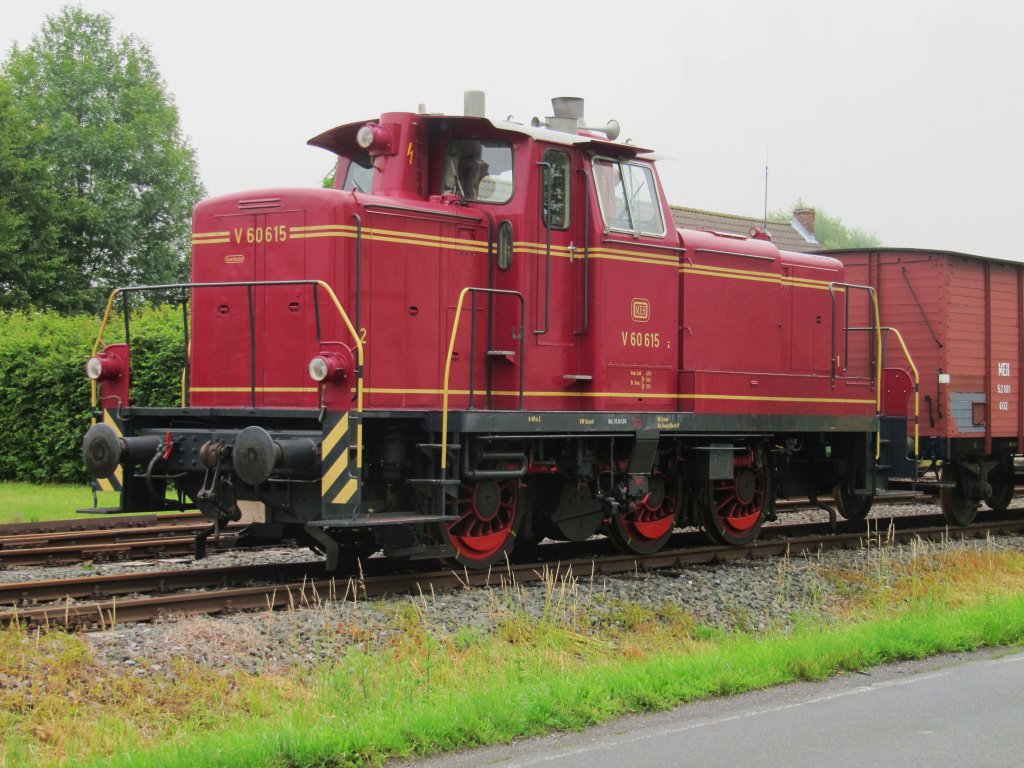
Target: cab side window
628	197
478	170
556	192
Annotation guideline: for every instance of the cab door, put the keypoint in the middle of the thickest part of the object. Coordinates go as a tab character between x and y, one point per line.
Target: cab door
558	323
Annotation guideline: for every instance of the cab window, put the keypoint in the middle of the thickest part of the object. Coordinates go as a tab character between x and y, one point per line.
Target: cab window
556	192
359	175
478	170
628	197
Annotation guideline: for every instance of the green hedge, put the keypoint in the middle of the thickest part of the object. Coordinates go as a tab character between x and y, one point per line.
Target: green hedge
44	394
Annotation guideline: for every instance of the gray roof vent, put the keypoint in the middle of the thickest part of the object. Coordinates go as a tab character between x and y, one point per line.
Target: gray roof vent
568	118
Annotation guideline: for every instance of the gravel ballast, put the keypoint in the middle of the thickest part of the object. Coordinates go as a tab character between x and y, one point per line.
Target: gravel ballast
748	594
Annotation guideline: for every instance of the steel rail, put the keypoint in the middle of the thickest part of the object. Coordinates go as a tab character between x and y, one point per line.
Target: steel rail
316	591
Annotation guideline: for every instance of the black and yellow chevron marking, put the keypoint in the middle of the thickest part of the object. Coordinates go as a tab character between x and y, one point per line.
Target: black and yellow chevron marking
115	481
342	459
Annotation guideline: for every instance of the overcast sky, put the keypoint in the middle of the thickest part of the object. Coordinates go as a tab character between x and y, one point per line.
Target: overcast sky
904	118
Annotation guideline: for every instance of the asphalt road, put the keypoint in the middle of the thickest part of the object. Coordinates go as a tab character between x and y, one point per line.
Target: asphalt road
962	710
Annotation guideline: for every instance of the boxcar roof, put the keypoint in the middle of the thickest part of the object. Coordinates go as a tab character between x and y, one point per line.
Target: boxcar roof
834	252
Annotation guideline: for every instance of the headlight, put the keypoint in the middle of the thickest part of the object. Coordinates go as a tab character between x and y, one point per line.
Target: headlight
330	366
94	368
318	369
104	367
364	138
374	137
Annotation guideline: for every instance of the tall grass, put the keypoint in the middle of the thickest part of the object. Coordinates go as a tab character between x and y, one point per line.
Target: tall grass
419	691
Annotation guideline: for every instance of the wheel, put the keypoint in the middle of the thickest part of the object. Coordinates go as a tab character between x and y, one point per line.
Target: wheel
733	511
853	508
488	521
645	526
1001	478
956	507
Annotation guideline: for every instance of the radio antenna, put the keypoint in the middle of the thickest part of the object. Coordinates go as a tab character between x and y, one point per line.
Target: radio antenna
766	187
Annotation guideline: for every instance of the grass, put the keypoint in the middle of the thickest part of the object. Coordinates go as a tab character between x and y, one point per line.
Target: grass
28	503
421	692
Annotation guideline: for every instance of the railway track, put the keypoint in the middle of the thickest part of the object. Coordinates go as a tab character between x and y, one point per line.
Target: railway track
65	542
104	601
105	539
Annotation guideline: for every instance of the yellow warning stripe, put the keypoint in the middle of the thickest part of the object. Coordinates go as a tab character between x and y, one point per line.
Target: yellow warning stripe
347	492
337	432
335	471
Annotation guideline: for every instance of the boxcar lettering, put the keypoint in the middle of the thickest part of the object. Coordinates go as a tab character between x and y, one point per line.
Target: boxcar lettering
534	419
1002	389
1004	369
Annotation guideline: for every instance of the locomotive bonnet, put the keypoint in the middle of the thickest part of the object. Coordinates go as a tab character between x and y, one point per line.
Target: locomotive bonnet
487	334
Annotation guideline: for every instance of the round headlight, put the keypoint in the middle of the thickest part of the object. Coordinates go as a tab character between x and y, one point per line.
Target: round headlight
318	369
94	368
365	137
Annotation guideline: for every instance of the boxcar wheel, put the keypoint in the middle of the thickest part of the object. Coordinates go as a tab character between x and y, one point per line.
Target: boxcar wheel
852	508
956	508
1001	478
489	520
733	511
644	527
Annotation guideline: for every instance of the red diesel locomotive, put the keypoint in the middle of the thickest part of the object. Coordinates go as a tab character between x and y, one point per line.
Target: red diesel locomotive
488	333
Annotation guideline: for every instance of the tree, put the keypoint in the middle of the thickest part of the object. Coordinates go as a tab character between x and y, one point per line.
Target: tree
121	178
830	230
29	233
832	233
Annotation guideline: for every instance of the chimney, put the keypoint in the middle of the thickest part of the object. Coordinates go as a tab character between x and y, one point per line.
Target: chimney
806	218
473	104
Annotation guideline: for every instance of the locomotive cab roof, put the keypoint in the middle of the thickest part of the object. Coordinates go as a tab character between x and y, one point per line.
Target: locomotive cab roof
342	140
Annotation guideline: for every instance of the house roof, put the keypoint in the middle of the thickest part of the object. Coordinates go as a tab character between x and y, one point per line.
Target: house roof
787	235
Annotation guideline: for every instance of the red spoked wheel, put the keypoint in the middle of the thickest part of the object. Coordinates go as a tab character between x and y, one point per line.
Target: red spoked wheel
645	526
733	511
488	521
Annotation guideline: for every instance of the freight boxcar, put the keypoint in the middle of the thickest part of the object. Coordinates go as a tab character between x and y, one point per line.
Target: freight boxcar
961	316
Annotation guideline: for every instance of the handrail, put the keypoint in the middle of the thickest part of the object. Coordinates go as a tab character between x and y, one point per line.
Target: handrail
876	328
249	285
586	254
876	316
917	383
546	214
451	352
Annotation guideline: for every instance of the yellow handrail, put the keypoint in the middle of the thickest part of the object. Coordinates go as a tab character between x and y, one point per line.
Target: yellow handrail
917	387
447	373
315	283
94	399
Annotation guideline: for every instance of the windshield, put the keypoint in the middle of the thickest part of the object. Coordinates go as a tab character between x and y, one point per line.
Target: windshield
359	175
628	197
